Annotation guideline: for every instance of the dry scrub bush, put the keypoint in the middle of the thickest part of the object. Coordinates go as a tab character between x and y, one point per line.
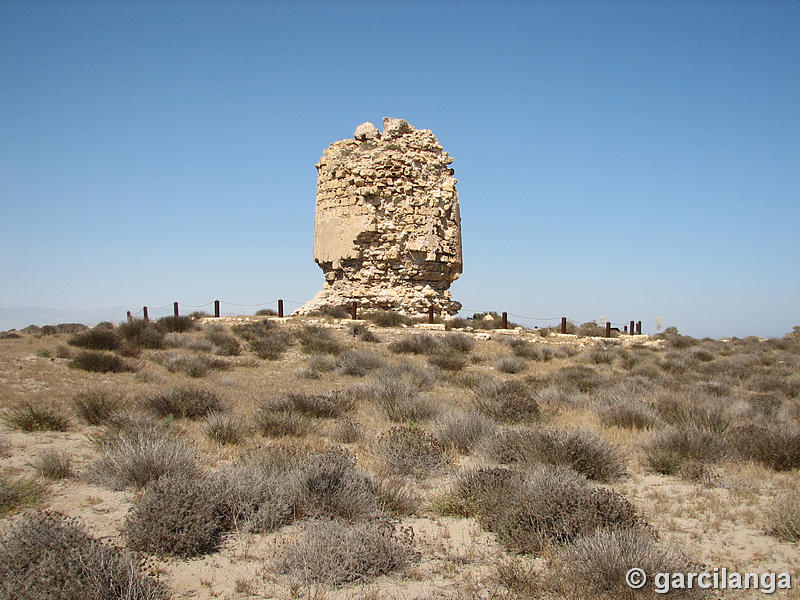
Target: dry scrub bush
694	411
16	492
271	345
337	553
408	451
595	565
527	350
385	318
418	343
625	411
362	332
100	362
329	484
463	430
599	356
193	365
96	339
670	447
347	431
46	556
142	333
358	363
582	450
784	518
138	455
95	406
397	394
506	401
278	417
36	416
458	342
775	444
225	429
318	340
184	402
328	405
580	378
53	464
178	515
448	360
179	324
224	343
550	505
510	364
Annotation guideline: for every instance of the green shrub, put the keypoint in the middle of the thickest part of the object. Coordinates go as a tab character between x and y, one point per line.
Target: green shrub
95	406
178	515
46	555
37	416
184	402
96	339
506	401
53	464
409	451
16	492
179	324
318	340
100	362
266	312
338	553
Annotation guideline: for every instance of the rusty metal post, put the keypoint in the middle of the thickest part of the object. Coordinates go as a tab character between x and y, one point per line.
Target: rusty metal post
608	328
354	310
505	320
130	316
175	308
430	315
638	328
631	328
144	313
216	308
625	330
280	308
563	324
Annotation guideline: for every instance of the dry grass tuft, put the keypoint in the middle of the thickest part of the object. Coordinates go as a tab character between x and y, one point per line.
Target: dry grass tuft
408	451
36	416
53	464
95	406
337	553
16	492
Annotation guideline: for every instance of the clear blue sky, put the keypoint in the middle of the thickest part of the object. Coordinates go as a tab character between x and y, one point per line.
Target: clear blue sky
620	159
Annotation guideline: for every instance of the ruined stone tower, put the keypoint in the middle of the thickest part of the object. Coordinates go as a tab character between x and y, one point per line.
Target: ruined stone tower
387	232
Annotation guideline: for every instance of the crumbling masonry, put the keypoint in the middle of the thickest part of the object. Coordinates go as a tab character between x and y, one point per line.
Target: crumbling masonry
387	232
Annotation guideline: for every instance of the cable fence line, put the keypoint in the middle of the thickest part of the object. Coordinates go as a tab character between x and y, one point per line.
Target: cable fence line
563	324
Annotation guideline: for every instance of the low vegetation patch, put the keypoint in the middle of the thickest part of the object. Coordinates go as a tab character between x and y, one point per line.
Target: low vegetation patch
668	449
37	416
100	362
774	443
409	451
510	364
96	339
337	553
506	401
184	402
784	518
16	492
53	464
463	431
358	363
278	417
46	555
174	324
581	450
225	429
95	406
318	340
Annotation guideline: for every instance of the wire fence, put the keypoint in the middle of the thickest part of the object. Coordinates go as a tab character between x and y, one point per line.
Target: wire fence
226	308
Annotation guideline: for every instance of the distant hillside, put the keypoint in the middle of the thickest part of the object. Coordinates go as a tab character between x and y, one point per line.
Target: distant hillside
19	317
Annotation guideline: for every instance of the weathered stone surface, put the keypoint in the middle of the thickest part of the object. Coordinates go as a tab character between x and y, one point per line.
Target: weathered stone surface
387	232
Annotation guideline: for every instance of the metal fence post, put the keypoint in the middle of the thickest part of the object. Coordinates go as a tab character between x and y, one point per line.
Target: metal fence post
216	308
175	308
505	320
280	308
563	324
144	314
